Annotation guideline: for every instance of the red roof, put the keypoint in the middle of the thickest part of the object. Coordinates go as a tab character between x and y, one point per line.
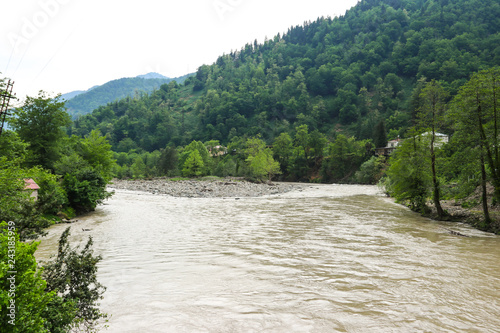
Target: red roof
31	185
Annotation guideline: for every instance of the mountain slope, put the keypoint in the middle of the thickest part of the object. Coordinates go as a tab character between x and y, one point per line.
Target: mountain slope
341	75
71	95
84	102
152	75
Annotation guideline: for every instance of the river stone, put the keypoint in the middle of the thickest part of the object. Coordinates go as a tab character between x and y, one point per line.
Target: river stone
203	188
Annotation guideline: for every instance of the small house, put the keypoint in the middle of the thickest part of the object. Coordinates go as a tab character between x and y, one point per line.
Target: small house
439	138
31	186
389	149
217	151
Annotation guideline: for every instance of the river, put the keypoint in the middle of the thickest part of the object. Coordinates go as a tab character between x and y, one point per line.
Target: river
328	258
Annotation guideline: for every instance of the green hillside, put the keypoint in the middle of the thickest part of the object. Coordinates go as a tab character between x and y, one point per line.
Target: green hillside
336	75
324	94
85	102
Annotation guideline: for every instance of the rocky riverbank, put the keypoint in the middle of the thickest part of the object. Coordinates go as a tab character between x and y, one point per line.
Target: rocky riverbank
206	188
473	215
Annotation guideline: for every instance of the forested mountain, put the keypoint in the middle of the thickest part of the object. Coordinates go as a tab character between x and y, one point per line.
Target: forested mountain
84	102
72	94
152	75
343	74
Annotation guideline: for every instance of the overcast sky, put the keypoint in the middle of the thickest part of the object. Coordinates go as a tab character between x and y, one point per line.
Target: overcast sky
65	45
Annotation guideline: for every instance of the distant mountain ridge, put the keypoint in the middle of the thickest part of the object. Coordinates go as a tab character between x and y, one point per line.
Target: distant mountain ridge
79	103
153	75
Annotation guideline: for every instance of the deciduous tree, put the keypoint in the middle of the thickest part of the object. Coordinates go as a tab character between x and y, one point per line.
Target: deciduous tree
430	116
40	123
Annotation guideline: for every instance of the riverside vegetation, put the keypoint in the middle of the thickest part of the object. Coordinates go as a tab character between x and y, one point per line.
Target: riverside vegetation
308	105
321	96
72	174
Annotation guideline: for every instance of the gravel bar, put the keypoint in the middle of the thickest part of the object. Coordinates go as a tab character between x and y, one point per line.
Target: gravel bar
225	188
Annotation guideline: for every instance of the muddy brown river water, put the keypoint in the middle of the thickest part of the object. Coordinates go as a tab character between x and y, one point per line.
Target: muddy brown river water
330	258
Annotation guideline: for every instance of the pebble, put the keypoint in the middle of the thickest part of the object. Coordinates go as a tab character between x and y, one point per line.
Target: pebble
203	188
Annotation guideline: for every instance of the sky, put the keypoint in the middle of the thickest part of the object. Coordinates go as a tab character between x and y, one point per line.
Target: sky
64	45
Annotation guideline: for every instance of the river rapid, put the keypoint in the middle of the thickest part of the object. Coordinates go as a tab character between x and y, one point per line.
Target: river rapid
326	258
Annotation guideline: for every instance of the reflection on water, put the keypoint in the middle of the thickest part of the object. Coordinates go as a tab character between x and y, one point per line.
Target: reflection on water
328	259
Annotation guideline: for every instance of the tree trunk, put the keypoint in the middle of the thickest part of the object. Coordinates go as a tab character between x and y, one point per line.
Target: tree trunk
435	182
484	195
490	156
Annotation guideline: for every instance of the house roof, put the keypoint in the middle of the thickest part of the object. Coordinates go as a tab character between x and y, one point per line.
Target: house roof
30	184
436	134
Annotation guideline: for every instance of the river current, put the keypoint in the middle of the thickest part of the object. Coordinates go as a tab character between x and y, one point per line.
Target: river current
328	258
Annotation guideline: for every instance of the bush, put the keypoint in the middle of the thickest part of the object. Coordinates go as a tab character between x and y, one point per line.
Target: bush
85	189
30	296
371	171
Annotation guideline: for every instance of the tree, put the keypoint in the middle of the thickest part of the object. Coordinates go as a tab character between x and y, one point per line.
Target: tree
408	176
40	123
475	114
86	168
23	298
253	146
371	171
344	156
194	166
202	152
282	149
138	168
96	151
16	204
12	147
85	188
168	161
430	115
380	135
263	165
478	101
72	275
300	164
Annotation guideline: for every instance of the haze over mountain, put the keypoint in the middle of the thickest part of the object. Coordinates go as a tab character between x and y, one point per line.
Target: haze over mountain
83	102
152	75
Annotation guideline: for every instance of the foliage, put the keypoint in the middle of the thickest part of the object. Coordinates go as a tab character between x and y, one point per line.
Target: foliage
168	162
430	115
199	162
409	176
345	156
29	295
343	74
264	165
91	99
476	115
40	122
85	188
282	149
260	159
73	276
380	135
12	148
371	171
51	196
16	204
193	166
96	151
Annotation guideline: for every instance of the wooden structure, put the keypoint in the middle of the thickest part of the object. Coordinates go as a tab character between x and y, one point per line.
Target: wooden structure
387	151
